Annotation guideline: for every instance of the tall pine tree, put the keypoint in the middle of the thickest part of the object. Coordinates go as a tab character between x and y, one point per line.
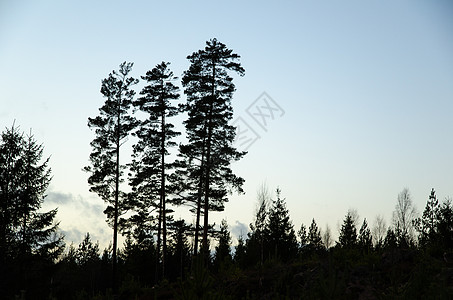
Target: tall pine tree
209	89
149	168
112	127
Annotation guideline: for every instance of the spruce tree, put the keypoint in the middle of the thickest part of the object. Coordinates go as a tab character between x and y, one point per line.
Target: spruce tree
303	236
223	248
365	240
29	237
428	223
112	128
445	225
314	236
348	233
24	178
209	89
150	167
281	237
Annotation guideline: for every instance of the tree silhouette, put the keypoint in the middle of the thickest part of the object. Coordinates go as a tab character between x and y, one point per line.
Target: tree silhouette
379	231
112	127
314	236
149	167
403	217
348	232
257	236
428	223
223	248
209	90
303	236
327	239
280	231
24	176
365	240
179	248
28	236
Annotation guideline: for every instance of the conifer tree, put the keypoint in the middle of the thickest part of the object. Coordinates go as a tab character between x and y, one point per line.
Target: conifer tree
179	247
428	223
24	178
112	128
150	168
280	231
257	236
240	257
87	252
314	236
365	240
445	225
303	236
29	237
348	232
223	248
209	151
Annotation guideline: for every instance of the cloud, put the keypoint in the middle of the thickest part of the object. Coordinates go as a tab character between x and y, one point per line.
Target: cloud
78	215
239	229
65	199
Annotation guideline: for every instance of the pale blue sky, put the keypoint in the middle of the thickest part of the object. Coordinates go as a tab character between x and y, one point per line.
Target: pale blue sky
366	86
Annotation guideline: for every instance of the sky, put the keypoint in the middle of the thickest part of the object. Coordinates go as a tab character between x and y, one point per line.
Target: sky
342	106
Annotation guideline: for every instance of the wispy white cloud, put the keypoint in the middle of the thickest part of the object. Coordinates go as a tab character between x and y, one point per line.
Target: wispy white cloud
78	215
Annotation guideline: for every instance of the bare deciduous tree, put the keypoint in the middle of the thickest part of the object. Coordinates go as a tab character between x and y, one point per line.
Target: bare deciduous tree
379	230
403	216
327	237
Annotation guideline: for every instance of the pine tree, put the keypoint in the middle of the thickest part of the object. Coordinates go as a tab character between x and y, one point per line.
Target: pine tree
150	168
280	231
112	127
365	240
348	233
209	151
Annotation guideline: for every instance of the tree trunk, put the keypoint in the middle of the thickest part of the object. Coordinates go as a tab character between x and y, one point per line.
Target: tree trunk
115	217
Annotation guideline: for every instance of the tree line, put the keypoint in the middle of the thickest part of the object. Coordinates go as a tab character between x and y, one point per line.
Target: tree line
166	258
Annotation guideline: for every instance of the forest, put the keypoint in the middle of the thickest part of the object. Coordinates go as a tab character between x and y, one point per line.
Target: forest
166	258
